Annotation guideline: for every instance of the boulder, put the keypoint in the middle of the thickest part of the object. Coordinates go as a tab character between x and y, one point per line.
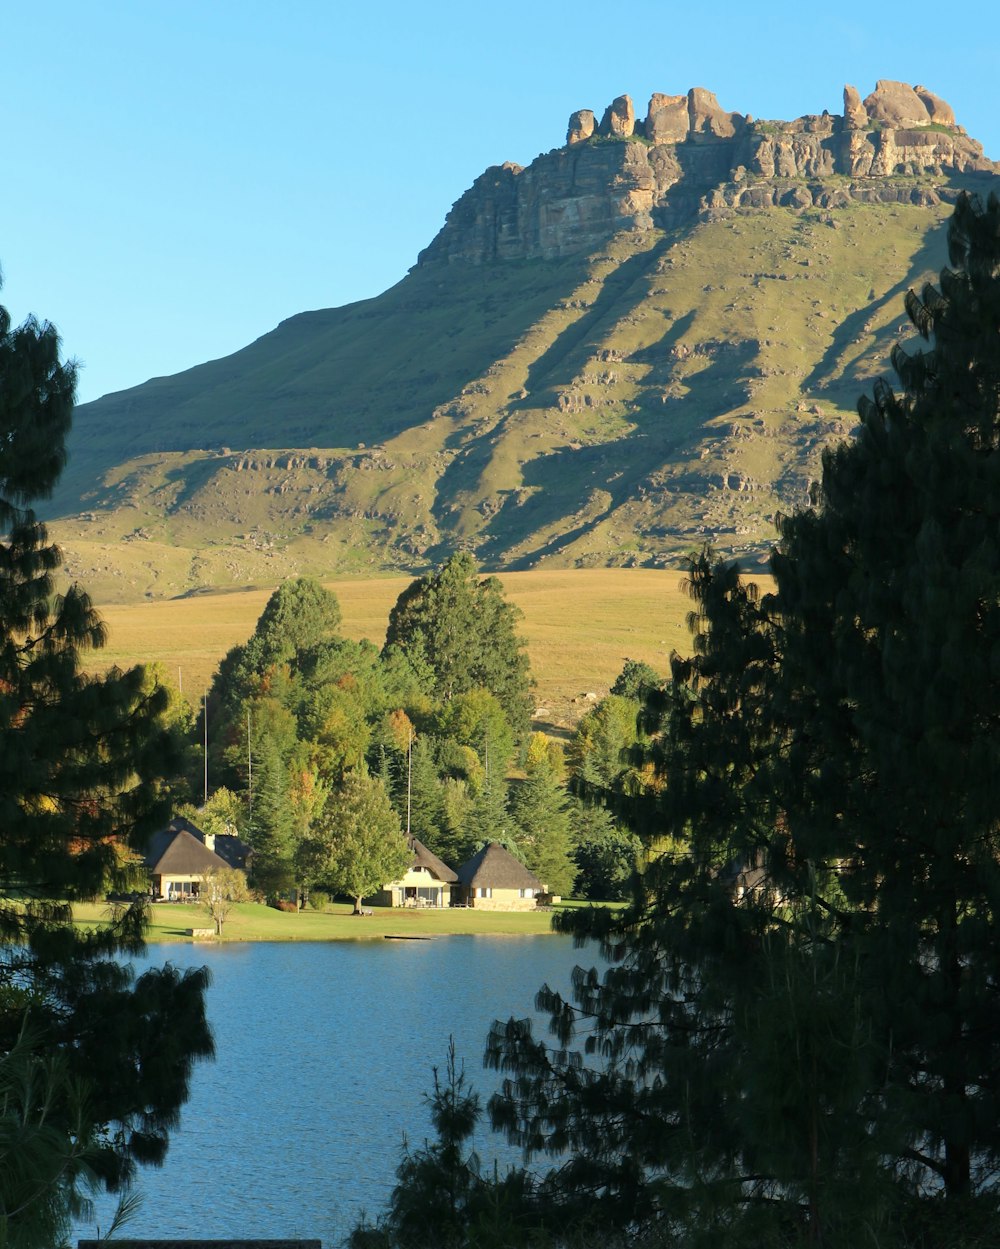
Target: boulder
705	117
619	117
667	118
896	105
940	112
581	126
855	113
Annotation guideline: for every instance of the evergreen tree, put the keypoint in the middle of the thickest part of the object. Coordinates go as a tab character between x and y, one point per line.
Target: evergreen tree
426	802
539	808
271	830
801	1025
489	819
82	767
605	854
465	631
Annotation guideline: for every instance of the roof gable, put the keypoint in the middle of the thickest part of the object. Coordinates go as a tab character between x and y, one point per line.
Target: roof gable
422	857
493	867
175	851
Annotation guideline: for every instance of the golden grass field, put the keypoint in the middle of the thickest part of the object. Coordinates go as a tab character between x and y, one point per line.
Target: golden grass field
579	627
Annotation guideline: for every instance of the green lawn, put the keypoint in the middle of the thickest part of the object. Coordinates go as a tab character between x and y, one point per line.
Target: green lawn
251	921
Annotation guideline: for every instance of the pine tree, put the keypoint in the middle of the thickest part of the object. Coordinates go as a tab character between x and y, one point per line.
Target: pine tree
539	808
82	762
800	1029
271	829
465	631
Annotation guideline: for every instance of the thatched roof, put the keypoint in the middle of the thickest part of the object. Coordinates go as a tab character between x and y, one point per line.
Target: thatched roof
493	867
232	850
177	852
422	857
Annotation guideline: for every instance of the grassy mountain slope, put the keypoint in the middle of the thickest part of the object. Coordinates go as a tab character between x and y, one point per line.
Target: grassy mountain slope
609	409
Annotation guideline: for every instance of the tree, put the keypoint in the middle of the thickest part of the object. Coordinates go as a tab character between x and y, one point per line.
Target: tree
357	843
271	832
539	807
476	719
600	752
444	1196
636	680
220	891
82	767
488	820
299	615
466	632
605	854
803	997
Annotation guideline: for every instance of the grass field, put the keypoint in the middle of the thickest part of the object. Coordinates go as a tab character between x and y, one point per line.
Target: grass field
251	921
579	626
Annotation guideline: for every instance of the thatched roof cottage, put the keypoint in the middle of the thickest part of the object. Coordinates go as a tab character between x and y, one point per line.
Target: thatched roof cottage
494	880
428	881
181	855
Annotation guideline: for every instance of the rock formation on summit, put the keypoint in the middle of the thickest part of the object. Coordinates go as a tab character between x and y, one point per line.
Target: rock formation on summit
689	156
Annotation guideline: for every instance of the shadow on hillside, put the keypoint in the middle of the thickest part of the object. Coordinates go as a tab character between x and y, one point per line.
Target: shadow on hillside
852	327
613	287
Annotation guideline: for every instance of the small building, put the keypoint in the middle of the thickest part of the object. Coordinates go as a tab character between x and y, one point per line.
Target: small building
181	855
428	882
493	880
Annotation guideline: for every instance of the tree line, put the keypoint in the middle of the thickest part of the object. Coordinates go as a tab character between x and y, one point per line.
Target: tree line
327	751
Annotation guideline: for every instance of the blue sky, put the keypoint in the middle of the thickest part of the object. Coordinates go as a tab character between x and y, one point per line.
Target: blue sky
182	176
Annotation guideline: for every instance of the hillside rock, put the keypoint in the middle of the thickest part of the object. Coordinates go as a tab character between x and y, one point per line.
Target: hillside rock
581	126
706	118
619	118
896	104
667	119
855	113
940	113
689	156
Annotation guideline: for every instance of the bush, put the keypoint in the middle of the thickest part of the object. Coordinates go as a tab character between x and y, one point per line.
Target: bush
318	900
283	904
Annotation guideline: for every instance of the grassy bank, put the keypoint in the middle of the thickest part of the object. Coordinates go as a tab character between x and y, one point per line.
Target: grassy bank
251	921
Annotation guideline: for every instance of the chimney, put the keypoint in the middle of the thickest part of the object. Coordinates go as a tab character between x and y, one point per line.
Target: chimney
210	841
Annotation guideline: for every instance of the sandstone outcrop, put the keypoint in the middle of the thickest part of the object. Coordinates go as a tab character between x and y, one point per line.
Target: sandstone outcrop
690	155
897	105
855	113
581	126
619	118
667	119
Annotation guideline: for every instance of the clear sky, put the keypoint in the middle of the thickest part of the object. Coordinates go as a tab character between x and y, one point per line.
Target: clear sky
182	175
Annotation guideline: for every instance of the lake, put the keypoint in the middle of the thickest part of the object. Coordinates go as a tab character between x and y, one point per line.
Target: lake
324	1054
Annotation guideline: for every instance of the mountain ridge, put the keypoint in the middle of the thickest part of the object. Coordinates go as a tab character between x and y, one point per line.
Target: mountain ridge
600	368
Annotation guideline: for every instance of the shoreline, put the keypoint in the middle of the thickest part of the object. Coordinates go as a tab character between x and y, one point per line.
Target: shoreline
175	922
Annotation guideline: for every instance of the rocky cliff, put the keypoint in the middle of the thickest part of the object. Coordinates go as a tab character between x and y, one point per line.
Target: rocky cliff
699	302
689	157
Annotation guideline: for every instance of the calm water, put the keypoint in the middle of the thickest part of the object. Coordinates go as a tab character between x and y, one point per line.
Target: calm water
324	1054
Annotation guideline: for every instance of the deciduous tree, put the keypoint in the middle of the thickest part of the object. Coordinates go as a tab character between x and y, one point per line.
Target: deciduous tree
220	892
357	843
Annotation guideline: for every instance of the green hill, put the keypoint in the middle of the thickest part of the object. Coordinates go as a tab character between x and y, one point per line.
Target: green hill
529	390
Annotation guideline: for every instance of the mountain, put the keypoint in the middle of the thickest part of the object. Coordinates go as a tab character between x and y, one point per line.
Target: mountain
641	340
